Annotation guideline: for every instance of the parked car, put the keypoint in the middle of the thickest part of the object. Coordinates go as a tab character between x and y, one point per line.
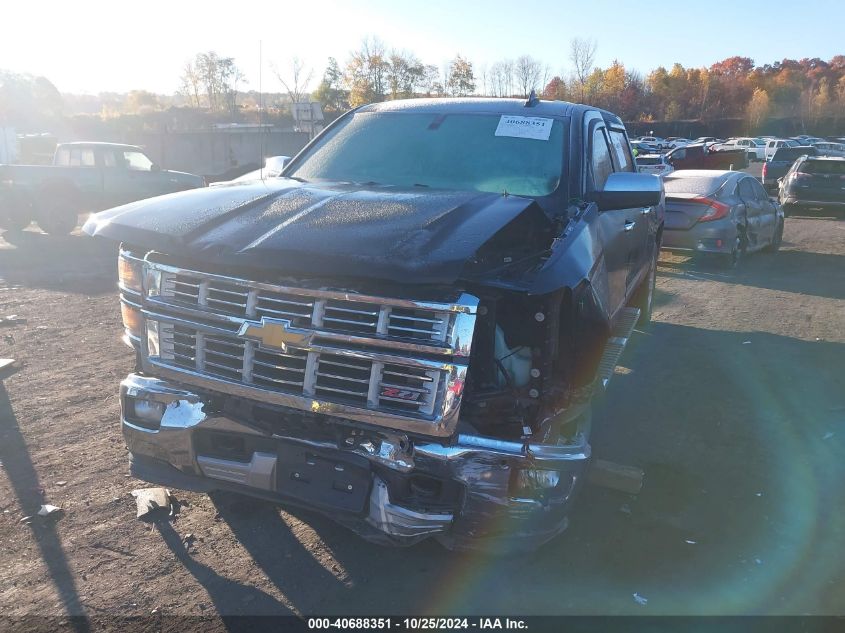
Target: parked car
755	148
826	148
705	156
720	213
641	148
775	144
708	139
814	182
656	141
409	346
778	164
83	177
653	164
676	141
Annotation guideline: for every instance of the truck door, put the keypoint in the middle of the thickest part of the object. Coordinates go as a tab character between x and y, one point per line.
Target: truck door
639	244
128	175
612	224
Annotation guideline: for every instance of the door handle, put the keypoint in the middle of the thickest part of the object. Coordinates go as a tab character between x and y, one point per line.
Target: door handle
629	224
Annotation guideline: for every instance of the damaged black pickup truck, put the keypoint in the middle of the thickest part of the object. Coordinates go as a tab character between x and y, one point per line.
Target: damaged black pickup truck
404	330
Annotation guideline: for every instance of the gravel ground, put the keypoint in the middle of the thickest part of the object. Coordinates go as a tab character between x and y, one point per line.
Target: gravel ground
733	404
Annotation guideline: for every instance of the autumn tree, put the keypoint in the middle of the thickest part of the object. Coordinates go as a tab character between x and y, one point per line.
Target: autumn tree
330	92
366	73
215	78
461	80
758	109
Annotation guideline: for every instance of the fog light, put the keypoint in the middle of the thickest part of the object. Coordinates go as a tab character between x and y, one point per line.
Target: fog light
149	410
538	479
144	413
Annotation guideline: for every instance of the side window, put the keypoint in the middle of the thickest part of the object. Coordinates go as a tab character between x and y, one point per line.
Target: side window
87	158
758	189
108	159
63	157
746	192
75	157
622	151
600	161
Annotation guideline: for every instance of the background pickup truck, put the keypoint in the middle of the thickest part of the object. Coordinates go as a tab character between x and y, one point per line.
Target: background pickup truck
405	330
83	177
779	163
706	156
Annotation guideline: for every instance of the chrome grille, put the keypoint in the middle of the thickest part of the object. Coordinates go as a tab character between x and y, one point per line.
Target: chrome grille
362	382
393	362
239	298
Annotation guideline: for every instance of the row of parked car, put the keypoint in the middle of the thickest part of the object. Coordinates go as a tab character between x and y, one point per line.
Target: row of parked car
759	148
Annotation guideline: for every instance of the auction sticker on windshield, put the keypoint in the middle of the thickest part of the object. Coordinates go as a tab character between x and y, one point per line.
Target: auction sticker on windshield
525	127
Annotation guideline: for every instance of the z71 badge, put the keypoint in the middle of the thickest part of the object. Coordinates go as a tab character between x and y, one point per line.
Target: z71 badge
400	394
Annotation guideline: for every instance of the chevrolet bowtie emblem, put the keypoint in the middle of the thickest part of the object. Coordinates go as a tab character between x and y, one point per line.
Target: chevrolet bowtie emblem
275	334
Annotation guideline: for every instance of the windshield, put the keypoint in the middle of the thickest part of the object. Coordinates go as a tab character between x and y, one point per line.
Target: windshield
477	152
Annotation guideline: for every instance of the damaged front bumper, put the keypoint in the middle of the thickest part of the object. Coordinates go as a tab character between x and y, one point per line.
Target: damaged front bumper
470	493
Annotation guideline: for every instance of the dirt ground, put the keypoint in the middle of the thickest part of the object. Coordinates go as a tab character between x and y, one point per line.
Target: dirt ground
733	404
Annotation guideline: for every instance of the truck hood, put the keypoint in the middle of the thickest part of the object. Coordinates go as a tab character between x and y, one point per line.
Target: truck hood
318	229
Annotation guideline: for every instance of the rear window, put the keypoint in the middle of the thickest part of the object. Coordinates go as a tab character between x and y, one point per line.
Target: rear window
704	186
835	167
792	153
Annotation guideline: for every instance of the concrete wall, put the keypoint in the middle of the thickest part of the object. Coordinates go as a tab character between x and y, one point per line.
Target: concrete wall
221	151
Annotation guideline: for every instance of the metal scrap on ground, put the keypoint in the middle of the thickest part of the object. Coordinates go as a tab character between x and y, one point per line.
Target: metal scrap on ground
151	499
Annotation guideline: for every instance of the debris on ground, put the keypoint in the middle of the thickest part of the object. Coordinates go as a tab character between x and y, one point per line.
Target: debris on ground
188	541
48	510
640	599
746	342
8	366
689	542
627	479
828	435
151	499
625	509
61	483
12	319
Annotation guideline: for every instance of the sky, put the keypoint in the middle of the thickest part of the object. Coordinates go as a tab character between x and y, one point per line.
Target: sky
89	46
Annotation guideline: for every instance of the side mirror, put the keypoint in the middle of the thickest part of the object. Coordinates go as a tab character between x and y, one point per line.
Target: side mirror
626	190
155	167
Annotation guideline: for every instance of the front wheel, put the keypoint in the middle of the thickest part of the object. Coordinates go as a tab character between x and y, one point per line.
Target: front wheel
15	212
58	211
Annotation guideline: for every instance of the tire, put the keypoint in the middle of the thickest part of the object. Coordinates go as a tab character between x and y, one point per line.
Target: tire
777	239
58	211
733	260
788	209
15	212
644	296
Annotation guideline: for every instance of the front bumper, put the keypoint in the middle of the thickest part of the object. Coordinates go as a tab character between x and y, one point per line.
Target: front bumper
461	493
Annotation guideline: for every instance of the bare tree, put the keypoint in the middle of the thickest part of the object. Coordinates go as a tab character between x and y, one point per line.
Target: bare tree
216	77
501	78
296	81
582	54
530	74
191	84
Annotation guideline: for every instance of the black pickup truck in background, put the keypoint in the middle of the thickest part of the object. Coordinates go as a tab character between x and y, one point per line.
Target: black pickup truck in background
83	177
405	330
779	163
